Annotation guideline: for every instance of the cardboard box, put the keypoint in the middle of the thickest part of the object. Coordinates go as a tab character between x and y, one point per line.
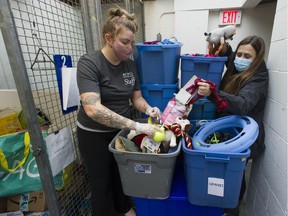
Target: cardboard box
33	201
9	122
3	205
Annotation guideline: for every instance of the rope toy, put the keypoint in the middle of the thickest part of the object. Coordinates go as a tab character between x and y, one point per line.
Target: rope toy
176	129
219	102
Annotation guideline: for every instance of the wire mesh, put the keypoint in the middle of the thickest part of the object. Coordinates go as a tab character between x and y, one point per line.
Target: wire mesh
46	28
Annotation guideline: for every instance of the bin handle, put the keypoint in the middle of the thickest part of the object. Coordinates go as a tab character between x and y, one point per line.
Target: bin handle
217	159
153	49
206	61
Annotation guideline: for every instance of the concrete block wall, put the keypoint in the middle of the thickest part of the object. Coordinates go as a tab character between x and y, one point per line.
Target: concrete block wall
267	191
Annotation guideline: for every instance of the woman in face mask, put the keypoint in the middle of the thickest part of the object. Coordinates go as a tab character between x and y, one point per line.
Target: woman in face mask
244	87
107	80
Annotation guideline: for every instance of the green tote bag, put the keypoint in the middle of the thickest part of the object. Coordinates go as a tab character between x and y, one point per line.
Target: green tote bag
18	169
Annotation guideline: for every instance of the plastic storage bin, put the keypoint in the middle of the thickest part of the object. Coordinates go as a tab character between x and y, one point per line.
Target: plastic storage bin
159	95
214	179
145	175
202	109
158	64
208	68
177	203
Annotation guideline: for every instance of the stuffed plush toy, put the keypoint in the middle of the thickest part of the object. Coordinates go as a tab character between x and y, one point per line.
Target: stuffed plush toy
178	129
140	141
123	144
217	38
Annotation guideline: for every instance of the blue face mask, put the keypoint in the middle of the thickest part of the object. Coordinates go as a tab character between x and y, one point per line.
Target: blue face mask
242	64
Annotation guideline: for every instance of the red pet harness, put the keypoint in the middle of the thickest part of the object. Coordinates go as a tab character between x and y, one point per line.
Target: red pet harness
219	102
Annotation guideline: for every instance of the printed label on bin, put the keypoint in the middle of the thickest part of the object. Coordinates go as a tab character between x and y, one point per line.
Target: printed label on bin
216	186
142	168
151	145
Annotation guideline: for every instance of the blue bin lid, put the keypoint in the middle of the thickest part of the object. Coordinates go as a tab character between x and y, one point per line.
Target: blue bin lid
176	45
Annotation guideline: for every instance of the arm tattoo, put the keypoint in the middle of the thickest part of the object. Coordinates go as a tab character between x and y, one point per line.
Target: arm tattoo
103	115
90	100
108	118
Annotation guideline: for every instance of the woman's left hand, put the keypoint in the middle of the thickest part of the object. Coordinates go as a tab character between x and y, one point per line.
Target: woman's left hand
204	89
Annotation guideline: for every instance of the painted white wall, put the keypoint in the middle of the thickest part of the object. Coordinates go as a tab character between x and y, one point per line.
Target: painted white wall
192	35
159	18
6	77
190	25
208	4
256	21
10	98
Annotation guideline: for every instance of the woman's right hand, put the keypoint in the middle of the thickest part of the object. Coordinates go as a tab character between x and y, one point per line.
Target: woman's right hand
204	89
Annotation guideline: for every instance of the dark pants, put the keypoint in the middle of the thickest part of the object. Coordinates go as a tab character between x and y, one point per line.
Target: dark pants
106	188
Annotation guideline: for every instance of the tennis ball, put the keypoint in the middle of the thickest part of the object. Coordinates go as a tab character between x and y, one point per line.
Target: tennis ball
159	135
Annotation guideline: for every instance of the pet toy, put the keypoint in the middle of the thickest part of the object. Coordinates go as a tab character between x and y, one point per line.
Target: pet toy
217	37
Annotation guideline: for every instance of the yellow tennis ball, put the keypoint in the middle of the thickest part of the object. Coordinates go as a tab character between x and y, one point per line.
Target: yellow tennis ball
159	135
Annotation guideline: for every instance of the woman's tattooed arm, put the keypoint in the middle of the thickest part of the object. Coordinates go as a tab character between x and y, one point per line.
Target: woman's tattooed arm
94	109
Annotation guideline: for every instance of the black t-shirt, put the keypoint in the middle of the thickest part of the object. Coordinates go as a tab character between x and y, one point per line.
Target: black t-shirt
114	83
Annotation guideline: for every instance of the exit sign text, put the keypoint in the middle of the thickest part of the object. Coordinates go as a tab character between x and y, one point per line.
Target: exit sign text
230	17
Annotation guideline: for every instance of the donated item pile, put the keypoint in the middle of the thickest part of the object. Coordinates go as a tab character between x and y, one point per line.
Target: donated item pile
9	122
201	174
15	204
21	189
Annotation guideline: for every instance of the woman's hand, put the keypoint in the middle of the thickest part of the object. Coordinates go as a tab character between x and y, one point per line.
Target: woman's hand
145	128
204	89
153	112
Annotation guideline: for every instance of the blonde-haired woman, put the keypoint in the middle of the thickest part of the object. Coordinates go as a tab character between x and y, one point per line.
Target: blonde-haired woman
107	80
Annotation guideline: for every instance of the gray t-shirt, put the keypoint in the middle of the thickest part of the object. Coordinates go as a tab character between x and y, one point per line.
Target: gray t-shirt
114	83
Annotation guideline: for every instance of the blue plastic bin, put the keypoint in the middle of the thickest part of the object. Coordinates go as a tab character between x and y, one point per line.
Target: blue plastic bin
159	95
202	109
177	203
208	68
158	64
214	179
